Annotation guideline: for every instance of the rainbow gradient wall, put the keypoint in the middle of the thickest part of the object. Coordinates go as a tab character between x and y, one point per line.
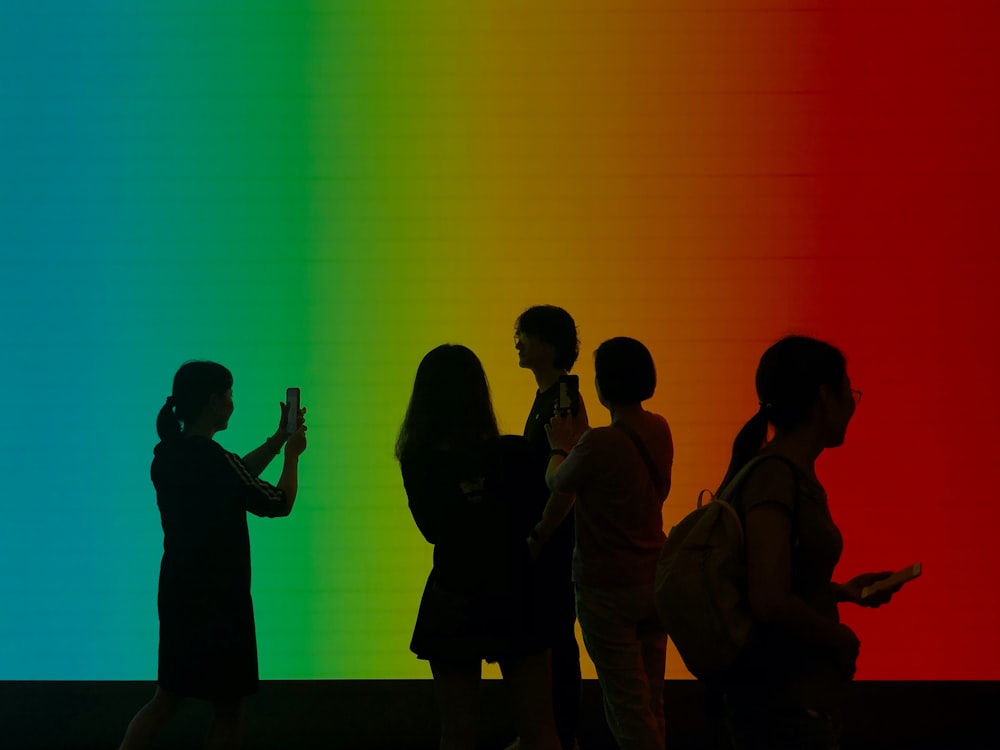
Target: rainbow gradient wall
316	193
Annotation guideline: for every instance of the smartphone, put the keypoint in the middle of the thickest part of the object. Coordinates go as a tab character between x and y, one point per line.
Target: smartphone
292	402
569	394
896	579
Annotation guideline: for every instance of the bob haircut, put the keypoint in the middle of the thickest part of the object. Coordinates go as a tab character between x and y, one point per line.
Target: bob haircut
625	371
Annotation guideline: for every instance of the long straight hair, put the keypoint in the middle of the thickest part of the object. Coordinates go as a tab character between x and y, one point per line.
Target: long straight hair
788	380
450	404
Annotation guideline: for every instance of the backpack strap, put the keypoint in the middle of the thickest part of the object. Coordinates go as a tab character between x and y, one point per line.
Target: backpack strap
654	473
734	484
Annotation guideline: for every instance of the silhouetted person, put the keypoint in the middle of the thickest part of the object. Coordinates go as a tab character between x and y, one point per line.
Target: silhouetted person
466	487
787	689
546	340
620	476
208	646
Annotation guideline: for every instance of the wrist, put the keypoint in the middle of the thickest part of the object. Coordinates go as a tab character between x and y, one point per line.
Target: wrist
841	593
275	442
536	536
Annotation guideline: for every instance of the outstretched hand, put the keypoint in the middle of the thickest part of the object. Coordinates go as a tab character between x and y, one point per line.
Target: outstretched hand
851	591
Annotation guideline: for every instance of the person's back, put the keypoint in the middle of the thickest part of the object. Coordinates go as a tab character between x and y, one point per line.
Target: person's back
619	525
466	500
465	486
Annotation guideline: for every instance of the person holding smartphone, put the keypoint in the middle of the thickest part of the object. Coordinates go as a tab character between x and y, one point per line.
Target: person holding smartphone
788	688
620	477
545	337
208	644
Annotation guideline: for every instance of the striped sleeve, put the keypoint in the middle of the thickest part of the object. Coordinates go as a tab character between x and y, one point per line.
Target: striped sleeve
254	494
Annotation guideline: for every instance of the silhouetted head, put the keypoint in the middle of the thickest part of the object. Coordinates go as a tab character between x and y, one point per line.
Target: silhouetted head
201	389
798	375
801	383
624	371
450	404
546	335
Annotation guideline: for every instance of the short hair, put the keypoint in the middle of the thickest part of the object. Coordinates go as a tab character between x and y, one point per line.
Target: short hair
625	371
555	327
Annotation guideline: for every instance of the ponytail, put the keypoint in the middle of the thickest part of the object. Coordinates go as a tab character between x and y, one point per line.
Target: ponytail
747	444
788	379
167	424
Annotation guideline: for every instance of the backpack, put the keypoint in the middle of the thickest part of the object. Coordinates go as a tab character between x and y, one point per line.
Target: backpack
701	583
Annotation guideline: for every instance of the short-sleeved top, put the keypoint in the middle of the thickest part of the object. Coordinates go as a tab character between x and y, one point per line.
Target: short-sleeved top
619	522
816	546
559	547
204	493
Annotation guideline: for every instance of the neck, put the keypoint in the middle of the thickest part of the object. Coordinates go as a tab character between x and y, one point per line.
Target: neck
200	428
624	411
802	447
546	377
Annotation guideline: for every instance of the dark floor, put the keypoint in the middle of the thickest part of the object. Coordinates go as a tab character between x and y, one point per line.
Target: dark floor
400	715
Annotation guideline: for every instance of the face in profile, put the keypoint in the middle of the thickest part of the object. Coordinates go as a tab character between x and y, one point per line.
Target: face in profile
222	407
839	406
532	352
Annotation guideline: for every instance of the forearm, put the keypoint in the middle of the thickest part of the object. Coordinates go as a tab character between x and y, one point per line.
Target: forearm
554	513
259	458
556	460
795	617
289	480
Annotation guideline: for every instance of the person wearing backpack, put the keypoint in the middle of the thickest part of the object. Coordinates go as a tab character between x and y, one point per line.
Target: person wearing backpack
620	476
787	687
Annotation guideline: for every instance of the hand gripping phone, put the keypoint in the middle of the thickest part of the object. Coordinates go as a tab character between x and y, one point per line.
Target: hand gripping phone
896	579
292	410
569	394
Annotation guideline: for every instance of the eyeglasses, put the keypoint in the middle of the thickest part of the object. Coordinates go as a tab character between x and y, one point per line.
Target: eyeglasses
856	394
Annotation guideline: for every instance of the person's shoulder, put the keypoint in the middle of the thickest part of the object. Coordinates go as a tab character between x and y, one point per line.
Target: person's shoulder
657	421
603	436
772	479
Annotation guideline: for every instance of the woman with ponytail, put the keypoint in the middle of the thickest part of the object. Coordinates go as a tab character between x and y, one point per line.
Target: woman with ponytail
208	645
788	689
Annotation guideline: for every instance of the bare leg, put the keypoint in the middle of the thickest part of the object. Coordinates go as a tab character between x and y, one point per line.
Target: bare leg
530	680
147	724
457	688
226	732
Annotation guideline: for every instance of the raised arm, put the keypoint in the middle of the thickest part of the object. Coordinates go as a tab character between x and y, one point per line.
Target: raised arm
259	458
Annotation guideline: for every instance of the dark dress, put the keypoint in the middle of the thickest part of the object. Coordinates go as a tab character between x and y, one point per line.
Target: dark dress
475	504
208	645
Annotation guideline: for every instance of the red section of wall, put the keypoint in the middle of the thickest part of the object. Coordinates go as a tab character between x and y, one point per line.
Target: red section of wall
904	117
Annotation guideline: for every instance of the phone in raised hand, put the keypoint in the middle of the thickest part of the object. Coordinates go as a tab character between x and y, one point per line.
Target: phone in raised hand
292	401
569	394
